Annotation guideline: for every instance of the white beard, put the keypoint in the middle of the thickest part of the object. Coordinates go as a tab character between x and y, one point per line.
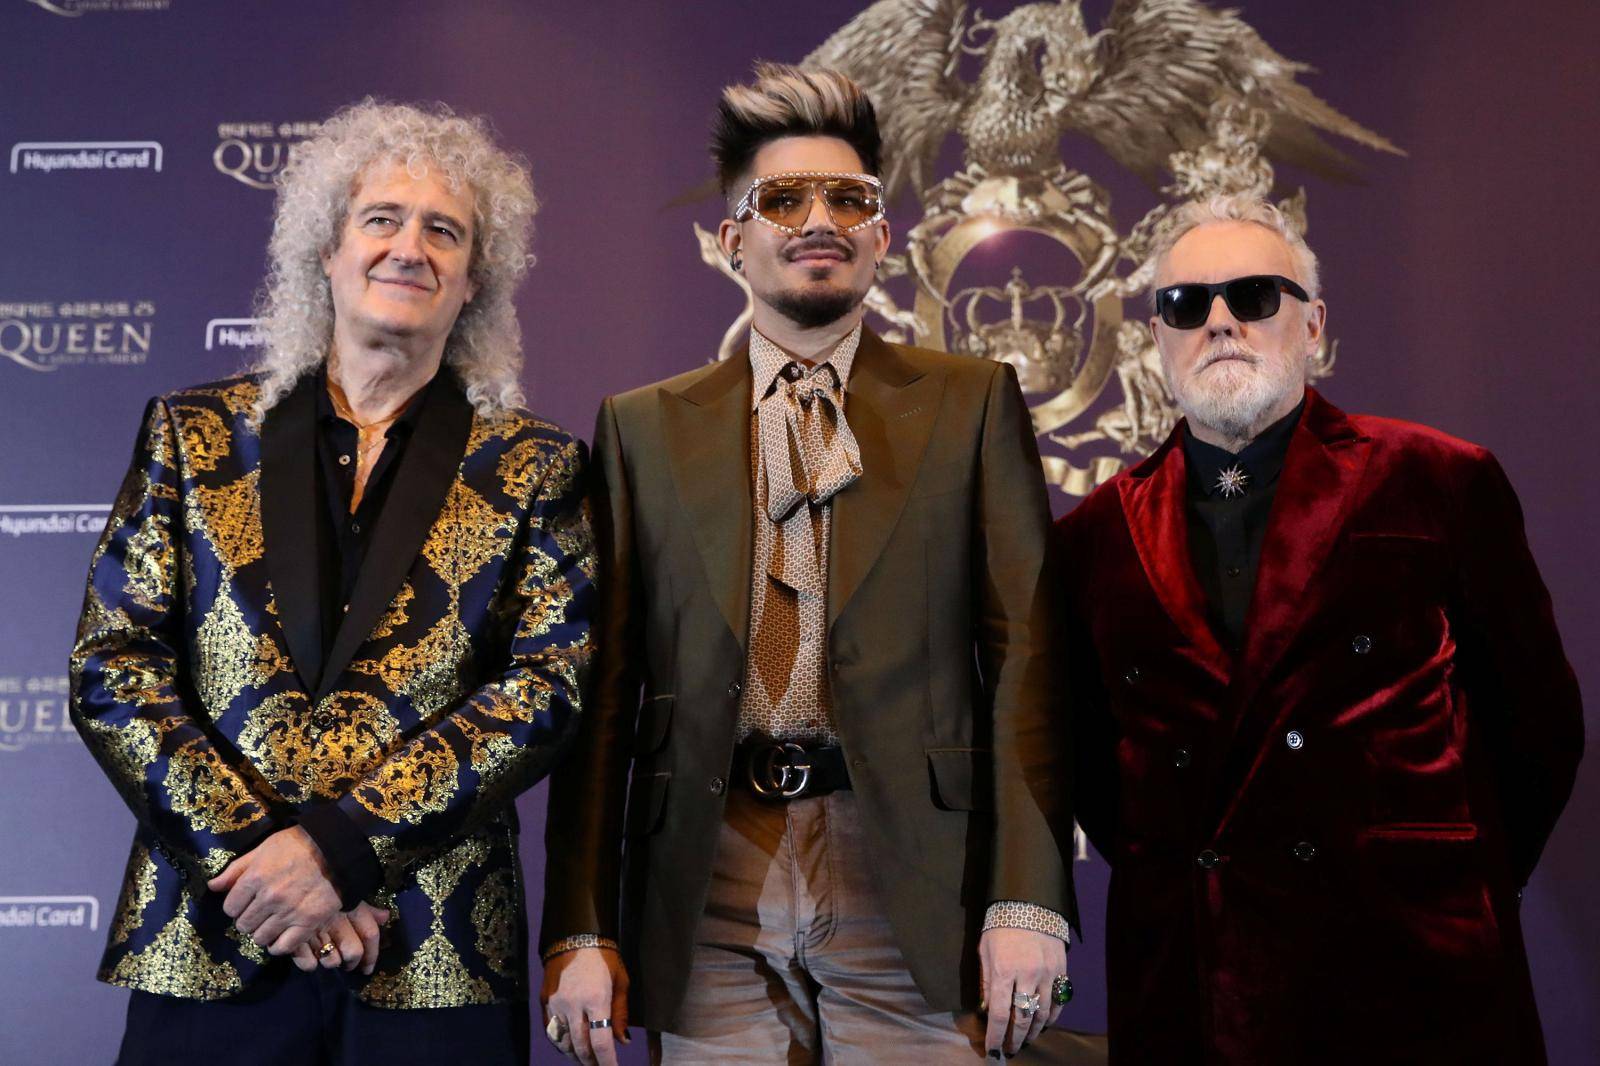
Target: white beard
1234	398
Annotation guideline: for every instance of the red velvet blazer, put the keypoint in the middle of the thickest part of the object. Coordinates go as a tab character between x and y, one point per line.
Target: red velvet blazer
1317	845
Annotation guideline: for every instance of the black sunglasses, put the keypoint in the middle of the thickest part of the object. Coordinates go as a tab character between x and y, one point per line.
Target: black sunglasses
1251	299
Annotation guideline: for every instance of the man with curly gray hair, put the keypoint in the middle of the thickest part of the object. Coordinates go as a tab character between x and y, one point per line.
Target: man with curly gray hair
337	622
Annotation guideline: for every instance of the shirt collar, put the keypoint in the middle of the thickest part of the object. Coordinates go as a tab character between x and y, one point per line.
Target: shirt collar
1261	459
406	423
767	361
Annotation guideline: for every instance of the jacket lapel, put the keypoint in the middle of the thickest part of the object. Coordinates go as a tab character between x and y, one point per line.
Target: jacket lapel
1154	505
432	459
1322	472
707	430
289	525
891	406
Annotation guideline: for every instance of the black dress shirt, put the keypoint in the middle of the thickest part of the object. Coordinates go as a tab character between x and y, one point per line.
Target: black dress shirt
342	537
1226	528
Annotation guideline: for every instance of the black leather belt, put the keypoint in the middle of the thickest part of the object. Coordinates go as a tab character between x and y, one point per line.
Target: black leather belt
780	771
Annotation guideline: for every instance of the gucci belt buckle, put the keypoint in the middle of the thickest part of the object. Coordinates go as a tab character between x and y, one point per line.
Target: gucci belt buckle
782	771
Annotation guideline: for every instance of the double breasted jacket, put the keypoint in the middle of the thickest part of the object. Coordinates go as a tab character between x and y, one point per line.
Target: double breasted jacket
1317	842
937	651
199	682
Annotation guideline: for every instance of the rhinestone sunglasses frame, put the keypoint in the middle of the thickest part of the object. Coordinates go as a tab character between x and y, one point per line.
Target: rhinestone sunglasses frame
745	209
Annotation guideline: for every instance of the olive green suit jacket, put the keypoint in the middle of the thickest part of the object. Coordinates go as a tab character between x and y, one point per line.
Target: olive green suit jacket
938	653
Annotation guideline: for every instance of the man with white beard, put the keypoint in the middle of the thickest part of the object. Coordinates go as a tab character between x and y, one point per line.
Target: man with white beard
1323	722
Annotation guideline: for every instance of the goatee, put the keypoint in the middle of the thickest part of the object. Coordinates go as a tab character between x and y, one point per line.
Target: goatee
810	310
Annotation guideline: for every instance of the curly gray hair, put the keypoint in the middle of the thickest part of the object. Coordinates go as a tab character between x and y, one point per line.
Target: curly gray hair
1237	207
295	303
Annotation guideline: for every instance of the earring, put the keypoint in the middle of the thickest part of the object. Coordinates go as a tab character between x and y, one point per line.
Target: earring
736	261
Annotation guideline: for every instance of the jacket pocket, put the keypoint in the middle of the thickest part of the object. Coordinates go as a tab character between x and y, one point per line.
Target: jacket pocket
962	778
1424	883
655	715
647	800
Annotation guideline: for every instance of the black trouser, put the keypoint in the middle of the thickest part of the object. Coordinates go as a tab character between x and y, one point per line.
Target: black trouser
292	1018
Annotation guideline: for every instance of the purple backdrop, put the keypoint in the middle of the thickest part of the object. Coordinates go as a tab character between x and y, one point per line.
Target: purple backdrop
1458	279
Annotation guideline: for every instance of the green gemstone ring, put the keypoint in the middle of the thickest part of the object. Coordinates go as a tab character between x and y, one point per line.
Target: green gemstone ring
1061	990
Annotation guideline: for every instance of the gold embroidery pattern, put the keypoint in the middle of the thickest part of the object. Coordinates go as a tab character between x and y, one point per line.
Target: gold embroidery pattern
230	520
429	670
498	427
208	791
148	563
519	468
362	732
130	748
435	976
138	889
216	860
466	536
416	783
494	916
98	619
395	616
135	679
230	658
160	439
176	963
492	752
279	739
547	607
239	398
247	947
562	478
204	437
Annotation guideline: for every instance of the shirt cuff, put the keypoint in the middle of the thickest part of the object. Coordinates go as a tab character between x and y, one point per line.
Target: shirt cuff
573	943
349	855
1015	914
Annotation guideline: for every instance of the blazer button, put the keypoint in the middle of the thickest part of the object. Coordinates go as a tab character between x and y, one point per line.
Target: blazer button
1305	851
1182	758
1133	675
734	688
1361	645
1207	860
717	786
1295	740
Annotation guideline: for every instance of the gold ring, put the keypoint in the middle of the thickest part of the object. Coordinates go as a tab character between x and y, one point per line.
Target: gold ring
325	950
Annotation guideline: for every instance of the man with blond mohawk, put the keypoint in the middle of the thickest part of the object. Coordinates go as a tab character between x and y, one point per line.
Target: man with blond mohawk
819	807
1323	721
337	622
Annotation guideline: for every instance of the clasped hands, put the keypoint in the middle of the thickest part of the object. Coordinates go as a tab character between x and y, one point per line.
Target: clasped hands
280	895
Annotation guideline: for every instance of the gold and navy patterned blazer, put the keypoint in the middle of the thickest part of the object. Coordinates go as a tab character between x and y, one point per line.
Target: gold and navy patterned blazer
453	681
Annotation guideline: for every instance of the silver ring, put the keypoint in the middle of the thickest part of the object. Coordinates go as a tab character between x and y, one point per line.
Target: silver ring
600	1023
1027	1003
556	1028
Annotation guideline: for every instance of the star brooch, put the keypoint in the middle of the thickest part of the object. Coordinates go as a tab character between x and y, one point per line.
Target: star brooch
1232	481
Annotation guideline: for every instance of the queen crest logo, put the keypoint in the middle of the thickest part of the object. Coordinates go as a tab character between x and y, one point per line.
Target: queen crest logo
1168	88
